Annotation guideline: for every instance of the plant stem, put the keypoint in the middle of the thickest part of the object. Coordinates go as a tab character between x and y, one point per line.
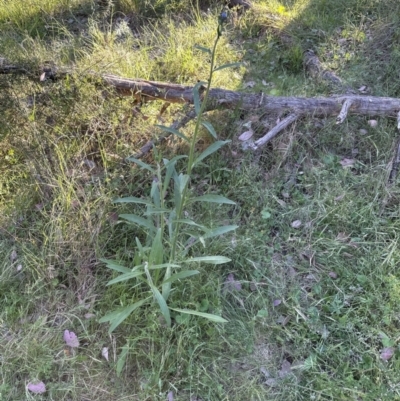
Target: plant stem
192	147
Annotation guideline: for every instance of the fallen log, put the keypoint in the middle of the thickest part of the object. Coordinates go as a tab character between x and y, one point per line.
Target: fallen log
290	108
222	98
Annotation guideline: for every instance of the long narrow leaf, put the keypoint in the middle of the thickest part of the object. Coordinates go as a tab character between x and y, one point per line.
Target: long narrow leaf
114	265
153	211
140	221
118	316
125	277
173	131
219	231
158	297
229	65
209	151
163	265
203	49
122	359
214	199
156	253
141	164
181	275
133	199
210	128
209	316
215	260
196	97
190	223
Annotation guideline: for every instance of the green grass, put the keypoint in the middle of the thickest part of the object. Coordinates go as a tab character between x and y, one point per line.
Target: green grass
322	298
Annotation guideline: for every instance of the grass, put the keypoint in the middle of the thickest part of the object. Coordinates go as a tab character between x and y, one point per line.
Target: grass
321	299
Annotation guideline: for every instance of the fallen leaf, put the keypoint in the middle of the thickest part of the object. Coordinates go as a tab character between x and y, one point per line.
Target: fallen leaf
373	123
362	88
37	388
104	353
42	77
249	84
71	339
296	224
347	162
387	353
277	302
285	369
246	135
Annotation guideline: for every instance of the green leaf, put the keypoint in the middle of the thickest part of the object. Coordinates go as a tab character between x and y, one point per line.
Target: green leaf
173	131
181	182
153	211
122	359
158	297
214	199
190	223
163	265
114	265
196	97
209	316
196	100
133	199
229	65
210	128
210	150
215	260
155	193
140	221
157	251
203	49
181	275
141	164
219	231
125	277
118	316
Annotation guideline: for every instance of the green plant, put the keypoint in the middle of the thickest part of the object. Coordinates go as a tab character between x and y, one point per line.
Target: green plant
169	235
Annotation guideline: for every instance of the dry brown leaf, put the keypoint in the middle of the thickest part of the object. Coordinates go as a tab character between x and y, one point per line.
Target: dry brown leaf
246	135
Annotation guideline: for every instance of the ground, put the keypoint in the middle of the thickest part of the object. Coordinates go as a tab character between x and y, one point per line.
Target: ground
311	293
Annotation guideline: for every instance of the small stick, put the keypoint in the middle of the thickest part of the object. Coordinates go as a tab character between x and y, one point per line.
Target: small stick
275	131
176	125
343	112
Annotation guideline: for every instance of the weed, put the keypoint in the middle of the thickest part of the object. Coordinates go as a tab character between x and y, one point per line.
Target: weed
166	241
